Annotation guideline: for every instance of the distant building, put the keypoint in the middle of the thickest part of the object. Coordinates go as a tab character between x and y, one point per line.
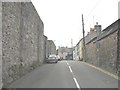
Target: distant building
94	32
77	51
74	53
70	54
81	50
51	47
62	52
45	52
65	53
75	56
89	44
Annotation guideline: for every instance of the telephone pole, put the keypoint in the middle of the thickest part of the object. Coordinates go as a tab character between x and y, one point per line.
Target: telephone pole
71	43
84	48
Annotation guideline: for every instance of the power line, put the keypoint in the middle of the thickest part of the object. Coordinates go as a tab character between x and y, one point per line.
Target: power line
95	6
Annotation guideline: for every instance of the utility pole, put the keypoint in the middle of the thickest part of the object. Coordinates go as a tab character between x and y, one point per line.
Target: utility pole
71	43
84	48
72	48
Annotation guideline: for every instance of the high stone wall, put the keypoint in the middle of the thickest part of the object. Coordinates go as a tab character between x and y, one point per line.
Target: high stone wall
22	40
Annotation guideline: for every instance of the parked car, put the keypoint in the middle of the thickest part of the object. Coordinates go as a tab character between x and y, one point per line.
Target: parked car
58	57
52	58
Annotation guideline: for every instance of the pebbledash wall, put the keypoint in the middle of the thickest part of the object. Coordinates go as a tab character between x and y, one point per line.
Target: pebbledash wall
119	36
0	46
22	40
102	51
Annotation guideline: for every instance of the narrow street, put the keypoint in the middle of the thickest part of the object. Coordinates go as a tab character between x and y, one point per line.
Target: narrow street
75	34
66	74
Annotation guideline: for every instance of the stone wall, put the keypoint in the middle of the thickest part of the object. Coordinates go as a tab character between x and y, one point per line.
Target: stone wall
108	52
118	51
0	46
51	47
22	40
91	53
45	48
102	51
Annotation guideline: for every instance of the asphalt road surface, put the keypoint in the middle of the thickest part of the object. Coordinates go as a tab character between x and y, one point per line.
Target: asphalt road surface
66	74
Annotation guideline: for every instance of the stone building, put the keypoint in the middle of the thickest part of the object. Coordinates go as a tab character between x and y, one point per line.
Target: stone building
62	52
118	50
77	50
51	47
75	55
80	49
102	49
89	43
94	32
45	48
70	54
65	53
22	40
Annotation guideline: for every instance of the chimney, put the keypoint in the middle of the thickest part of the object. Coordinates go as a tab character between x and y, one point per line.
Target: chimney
88	33
97	28
91	30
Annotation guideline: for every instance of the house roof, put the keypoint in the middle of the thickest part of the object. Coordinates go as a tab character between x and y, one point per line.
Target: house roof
110	29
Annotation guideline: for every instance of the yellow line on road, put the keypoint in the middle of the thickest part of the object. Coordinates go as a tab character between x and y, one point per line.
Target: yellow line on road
104	71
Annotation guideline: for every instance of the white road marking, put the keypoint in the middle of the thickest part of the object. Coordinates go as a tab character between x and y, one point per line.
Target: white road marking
75	80
68	64
76	83
70	69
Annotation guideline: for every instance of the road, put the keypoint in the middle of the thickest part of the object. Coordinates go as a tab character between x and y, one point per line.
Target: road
66	74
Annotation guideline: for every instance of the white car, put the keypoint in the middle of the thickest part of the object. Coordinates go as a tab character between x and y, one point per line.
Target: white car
58	57
52	58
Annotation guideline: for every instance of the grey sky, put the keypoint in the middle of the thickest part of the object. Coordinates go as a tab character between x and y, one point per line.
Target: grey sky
63	22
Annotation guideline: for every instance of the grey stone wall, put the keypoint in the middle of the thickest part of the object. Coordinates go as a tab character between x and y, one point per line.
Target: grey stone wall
45	48
108	52
103	53
91	53
118	51
51	47
103	50
22	40
0	46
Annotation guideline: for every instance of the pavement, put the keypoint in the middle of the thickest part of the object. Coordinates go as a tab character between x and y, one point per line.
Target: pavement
66	74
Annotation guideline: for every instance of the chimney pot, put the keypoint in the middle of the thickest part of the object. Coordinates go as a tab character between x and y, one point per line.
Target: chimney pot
96	23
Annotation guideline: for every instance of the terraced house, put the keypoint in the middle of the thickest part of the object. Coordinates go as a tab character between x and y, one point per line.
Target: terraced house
102	47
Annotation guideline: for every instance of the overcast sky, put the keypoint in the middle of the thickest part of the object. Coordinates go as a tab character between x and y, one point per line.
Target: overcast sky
63	18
